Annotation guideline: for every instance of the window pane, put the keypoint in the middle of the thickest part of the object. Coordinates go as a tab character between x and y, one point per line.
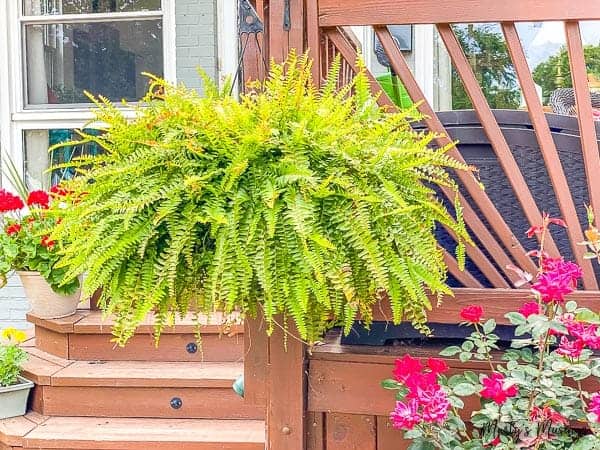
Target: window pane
38	160
47	7
104	58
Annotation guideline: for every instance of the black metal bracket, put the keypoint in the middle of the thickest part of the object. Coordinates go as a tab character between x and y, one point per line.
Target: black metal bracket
249	22
287	16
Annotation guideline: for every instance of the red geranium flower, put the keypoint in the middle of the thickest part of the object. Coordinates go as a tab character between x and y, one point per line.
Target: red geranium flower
46	242
9	202
40	198
472	313
493	388
13	229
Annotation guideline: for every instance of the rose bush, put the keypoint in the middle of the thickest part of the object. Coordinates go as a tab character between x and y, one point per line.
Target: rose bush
541	393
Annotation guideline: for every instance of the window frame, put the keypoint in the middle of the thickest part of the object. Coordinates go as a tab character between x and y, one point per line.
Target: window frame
15	115
169	44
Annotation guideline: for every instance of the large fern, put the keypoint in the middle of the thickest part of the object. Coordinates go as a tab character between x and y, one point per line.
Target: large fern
311	204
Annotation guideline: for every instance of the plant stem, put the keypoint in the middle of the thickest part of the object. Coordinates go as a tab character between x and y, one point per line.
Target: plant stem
487	348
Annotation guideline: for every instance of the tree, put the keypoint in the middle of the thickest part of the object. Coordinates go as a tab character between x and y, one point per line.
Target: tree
556	73
486	51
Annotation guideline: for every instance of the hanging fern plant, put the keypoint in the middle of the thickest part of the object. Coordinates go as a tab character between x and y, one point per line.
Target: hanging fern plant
309	203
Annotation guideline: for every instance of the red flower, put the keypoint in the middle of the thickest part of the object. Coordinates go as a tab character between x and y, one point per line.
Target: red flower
13	229
435	405
561	267
559	279
547	414
530	308
46	242
406	367
472	313
40	198
405	416
493	388
59	191
570	349
437	365
594	406
493	442
9	202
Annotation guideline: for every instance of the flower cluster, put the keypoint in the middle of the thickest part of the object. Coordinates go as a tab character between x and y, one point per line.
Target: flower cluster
558	279
25	243
10	202
533	392
425	400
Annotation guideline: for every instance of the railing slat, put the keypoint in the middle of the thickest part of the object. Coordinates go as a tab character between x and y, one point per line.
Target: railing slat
314	38
587	129
493	132
549	152
468	180
463	276
349	54
334	13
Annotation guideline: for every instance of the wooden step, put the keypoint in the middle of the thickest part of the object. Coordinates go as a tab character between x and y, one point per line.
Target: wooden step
137	389
87	336
92	433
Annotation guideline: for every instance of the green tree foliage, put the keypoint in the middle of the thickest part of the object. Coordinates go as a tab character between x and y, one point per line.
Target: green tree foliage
311	204
486	50
556	72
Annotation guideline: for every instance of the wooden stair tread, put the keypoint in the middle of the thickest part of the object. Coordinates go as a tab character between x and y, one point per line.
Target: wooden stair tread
149	374
46	369
123	433
12	430
93	322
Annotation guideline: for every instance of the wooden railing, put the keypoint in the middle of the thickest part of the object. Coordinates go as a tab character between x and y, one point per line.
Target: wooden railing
279	377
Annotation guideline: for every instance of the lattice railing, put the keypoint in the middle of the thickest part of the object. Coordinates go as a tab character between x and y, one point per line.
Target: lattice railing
498	245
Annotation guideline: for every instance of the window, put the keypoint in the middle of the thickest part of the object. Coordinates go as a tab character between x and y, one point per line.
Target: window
54	51
99	46
38	158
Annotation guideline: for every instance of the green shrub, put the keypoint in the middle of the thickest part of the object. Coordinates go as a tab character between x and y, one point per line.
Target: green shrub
311	204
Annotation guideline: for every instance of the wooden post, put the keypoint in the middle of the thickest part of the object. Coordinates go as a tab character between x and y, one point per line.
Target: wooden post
286	373
256	358
286	391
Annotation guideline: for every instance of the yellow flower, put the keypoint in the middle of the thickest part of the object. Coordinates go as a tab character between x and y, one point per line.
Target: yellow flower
14	335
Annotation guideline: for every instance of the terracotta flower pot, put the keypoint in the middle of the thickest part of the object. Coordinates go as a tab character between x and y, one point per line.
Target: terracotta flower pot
45	303
13	399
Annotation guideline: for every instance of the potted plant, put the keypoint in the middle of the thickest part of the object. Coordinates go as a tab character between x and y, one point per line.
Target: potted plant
541	393
26	248
310	204
14	389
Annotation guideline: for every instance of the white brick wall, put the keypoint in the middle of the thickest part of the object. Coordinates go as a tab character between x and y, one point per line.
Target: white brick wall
13	305
196	36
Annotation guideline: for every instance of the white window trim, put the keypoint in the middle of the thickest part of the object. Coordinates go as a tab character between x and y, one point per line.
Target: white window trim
227	38
15	116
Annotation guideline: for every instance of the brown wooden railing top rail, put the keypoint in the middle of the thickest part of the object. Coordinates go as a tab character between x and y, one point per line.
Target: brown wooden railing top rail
335	13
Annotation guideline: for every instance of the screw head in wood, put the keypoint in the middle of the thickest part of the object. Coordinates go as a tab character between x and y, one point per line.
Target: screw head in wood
191	348
176	403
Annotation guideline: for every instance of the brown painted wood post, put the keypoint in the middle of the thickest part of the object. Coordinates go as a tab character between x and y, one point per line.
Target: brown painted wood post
286	382
256	358
286	390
